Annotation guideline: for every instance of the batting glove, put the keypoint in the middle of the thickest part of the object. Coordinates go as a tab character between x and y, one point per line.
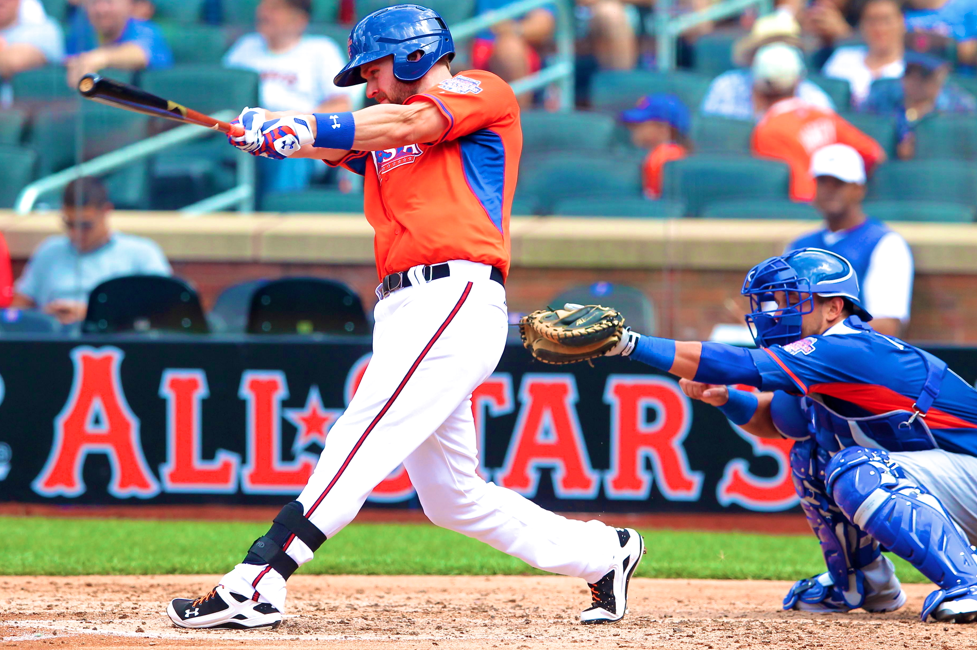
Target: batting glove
626	345
251	119
284	136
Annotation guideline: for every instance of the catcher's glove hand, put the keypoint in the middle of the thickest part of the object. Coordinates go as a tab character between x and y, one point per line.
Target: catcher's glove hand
575	333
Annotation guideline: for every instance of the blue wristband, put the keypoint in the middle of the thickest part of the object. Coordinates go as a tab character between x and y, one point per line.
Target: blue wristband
335	131
656	352
740	407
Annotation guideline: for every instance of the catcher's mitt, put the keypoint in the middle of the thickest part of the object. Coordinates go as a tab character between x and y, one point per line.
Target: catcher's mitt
575	333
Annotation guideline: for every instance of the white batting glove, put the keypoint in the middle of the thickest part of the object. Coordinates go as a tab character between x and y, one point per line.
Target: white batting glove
626	345
251	119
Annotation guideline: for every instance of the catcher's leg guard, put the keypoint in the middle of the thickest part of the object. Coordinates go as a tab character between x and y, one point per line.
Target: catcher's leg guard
289	524
878	496
858	575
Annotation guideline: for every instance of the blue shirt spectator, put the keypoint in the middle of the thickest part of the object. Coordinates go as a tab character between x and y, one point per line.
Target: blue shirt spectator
731	95
956	19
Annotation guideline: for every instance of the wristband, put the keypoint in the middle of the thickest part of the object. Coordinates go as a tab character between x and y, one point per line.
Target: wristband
335	131
740	407
655	351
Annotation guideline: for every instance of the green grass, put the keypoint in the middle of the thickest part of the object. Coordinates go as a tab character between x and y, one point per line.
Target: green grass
63	547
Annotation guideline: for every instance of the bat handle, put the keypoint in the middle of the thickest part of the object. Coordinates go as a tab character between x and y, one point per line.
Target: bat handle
235	130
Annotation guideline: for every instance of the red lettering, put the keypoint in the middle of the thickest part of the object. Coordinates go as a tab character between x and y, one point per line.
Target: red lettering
634	439
547	434
96	419
184	470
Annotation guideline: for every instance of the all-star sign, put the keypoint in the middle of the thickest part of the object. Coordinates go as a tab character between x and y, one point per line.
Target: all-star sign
589	439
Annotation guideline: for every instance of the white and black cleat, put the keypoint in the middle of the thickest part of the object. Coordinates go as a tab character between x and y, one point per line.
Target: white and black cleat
222	609
610	593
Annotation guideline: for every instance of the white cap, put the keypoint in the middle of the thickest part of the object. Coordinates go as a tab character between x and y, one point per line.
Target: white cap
777	67
839	161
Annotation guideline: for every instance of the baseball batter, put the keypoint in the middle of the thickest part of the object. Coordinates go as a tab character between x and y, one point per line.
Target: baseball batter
440	155
886	435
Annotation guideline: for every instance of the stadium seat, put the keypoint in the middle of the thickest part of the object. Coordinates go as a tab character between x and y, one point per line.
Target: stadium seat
12	124
615	91
179	11
556	177
761	209
240	12
638	310
50	83
711	134
207	88
839	90
881	128
306	306
543	131
932	211
713	53
230	312
144	303
315	200
453	11
56	9
619	207
524	207
18	165
879	84
338	33
925	180
104	129
965	82
203	44
701	180
947	137
327	11
27	321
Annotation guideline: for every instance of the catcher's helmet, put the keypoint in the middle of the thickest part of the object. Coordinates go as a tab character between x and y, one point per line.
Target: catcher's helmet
397	31
799	274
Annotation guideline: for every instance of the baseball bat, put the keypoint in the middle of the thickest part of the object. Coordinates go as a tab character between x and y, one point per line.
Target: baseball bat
130	98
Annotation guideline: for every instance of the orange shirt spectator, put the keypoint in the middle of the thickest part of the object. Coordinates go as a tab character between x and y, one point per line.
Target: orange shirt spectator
659	123
6	275
793	130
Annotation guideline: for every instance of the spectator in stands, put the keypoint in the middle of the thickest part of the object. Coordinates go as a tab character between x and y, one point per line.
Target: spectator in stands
65	269
6	275
609	32
924	92
731	93
829	21
660	124
881	257
513	49
882	57
108	35
296	74
791	129
26	42
945	28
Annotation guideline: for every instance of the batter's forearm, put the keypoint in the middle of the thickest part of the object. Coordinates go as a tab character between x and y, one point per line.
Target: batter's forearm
375	128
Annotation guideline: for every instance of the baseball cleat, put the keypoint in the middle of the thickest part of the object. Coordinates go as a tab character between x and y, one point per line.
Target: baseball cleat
959	606
222	609
610	593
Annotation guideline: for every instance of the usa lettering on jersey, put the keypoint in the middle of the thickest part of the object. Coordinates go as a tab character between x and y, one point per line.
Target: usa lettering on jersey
804	346
462	85
389	159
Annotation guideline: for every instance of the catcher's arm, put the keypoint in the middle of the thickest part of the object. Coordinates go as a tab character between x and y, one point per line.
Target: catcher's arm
760	422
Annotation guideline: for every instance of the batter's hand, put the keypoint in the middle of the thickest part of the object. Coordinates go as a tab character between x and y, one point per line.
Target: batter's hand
712	394
272	136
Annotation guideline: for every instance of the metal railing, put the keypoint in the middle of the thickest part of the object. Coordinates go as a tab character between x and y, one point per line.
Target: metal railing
241	196
668	28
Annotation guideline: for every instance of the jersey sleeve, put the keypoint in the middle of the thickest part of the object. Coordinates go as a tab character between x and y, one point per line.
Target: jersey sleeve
471	101
810	362
354	161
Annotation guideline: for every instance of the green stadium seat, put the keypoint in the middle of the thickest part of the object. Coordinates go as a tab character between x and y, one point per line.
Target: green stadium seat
544	131
625	207
615	91
881	128
12	124
524	207
240	12
18	166
701	180
712	134
50	83
453	11
925	180
326	11
713	53
179	11
207	88
56	9
965	83
314	200
839	90
931	211
761	209
338	33
200	44
879	85
557	177
947	137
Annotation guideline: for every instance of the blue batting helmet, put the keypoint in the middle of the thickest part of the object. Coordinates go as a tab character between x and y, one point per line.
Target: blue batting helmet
397	31
799	275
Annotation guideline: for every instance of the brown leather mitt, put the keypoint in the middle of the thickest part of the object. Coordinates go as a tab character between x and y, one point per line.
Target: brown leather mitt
575	333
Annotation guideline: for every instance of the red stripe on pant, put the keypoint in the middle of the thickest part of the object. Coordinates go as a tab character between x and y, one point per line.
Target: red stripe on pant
376	420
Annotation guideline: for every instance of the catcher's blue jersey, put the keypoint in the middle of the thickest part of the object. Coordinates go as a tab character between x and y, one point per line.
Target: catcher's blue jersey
859	387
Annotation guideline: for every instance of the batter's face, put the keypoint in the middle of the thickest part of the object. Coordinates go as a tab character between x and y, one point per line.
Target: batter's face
383	86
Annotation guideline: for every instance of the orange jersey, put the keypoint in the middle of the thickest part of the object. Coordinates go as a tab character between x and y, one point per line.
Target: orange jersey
656	159
449	199
793	130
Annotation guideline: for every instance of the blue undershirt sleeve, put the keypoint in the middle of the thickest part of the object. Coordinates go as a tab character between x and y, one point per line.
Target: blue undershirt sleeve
726	364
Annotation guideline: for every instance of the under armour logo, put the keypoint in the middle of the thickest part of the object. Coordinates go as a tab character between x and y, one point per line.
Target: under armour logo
193	612
335	121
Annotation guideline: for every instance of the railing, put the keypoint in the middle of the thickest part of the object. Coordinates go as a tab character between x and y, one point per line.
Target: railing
669	28
241	196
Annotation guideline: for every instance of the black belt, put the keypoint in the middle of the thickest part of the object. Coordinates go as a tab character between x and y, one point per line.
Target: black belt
401	280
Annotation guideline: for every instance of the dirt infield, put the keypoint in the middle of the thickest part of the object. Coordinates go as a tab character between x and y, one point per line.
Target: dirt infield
447	613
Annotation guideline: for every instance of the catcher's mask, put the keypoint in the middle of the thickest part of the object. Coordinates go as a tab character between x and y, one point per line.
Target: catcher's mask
797	277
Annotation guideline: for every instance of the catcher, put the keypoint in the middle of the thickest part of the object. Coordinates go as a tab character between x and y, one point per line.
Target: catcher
886	435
